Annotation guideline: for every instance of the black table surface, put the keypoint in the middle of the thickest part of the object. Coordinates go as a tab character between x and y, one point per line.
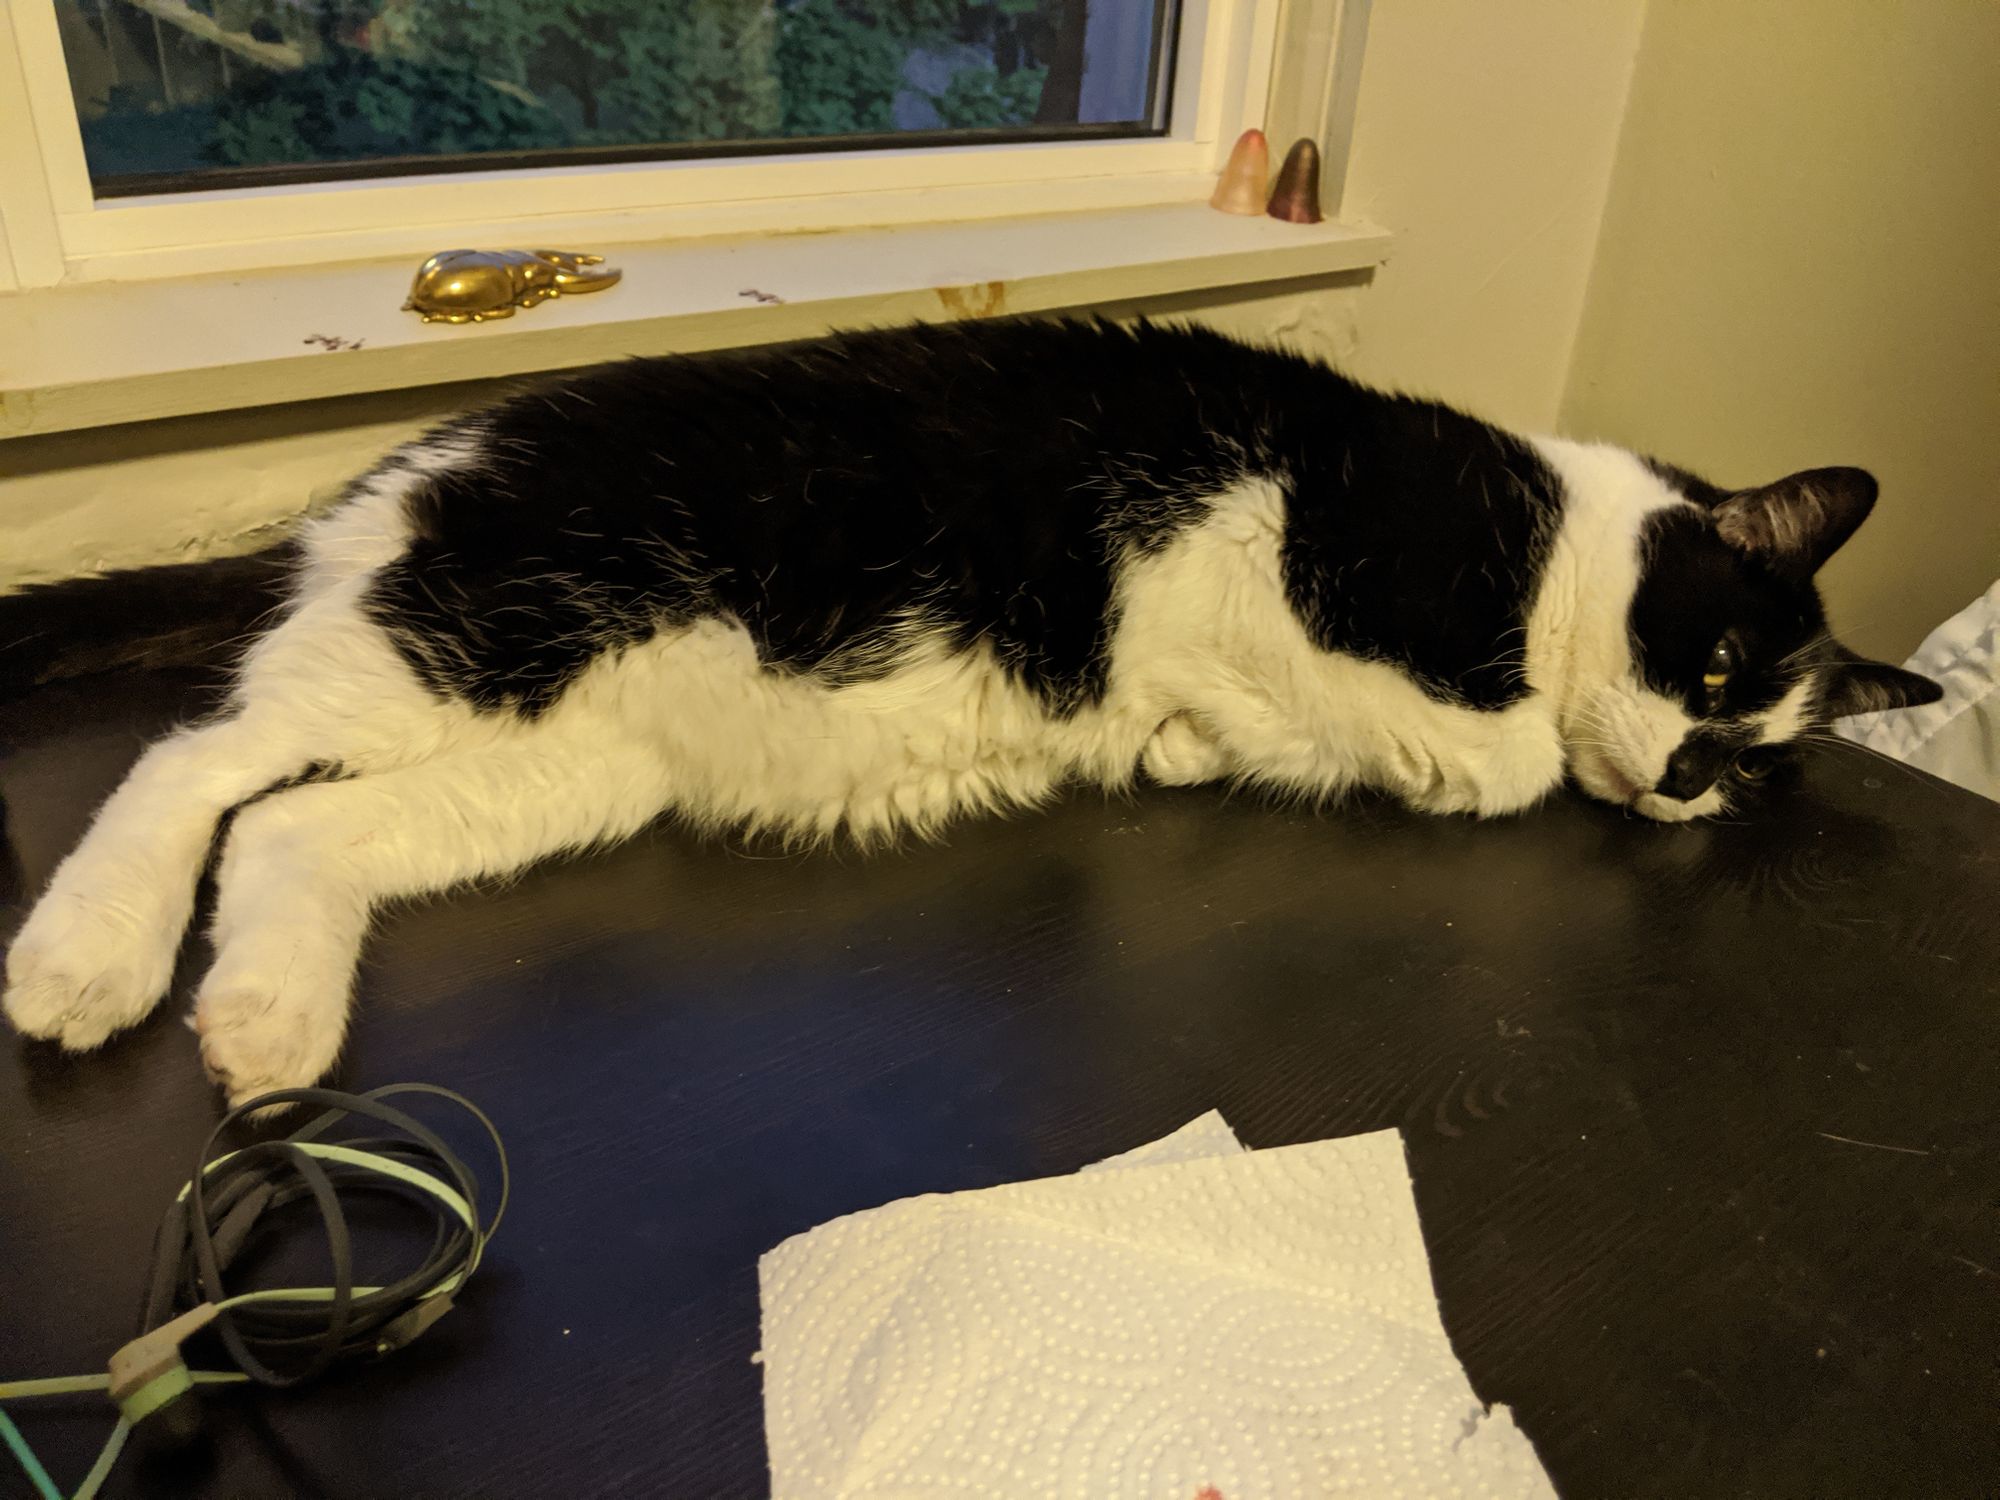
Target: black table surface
1702	1120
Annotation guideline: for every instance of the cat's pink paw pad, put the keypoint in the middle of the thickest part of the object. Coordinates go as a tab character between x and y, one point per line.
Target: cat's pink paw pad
252	1044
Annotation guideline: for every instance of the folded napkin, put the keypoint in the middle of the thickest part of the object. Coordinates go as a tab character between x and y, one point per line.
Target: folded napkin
1188	1321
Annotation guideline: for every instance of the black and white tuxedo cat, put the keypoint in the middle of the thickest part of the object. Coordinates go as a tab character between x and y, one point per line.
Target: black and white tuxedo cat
875	582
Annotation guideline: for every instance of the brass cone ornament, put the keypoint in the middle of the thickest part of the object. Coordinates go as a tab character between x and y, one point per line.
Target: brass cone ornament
1295	198
1240	188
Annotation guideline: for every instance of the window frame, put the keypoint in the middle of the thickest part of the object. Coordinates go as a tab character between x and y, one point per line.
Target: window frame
1289	64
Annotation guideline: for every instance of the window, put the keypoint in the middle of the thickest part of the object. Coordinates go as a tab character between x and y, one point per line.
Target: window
182	95
141	139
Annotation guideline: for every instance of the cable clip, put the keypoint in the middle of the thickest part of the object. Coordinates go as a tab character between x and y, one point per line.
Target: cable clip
149	1373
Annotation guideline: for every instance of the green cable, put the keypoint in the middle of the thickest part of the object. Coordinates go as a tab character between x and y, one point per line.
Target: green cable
60	1385
66	1385
370	1162
113	1446
69	1385
25	1456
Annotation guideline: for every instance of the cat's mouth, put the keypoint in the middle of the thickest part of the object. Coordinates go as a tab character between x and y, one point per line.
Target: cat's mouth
1607	781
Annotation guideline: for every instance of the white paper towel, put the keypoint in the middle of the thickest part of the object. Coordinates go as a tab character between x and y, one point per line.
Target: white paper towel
1187	1321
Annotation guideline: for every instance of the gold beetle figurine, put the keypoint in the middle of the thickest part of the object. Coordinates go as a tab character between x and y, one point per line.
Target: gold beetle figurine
471	286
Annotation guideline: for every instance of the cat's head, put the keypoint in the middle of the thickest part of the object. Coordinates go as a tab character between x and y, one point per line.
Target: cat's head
1731	665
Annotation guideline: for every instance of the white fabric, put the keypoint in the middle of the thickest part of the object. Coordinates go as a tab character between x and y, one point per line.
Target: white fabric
1242	1325
1958	737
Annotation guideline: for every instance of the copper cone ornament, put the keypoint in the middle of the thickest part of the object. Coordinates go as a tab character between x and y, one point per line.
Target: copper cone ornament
1295	199
1240	188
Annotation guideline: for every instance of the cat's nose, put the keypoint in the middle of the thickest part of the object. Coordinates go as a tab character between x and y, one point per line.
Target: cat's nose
1691	770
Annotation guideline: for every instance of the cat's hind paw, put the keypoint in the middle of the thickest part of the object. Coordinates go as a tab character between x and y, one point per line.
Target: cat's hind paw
1181	753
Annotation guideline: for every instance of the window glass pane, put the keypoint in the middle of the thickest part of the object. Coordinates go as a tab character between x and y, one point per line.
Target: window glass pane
184	94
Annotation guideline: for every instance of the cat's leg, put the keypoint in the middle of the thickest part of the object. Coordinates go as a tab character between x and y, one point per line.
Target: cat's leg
1439	758
324	687
1488	764
302	870
97	952
1184	752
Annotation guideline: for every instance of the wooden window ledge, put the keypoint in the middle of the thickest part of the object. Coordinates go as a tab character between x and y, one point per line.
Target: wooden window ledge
95	354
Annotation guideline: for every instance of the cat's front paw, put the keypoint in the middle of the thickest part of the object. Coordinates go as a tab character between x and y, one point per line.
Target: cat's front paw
80	971
1181	753
1672	810
265	1028
252	1041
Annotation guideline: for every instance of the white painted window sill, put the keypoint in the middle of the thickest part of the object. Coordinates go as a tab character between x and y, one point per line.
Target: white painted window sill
100	353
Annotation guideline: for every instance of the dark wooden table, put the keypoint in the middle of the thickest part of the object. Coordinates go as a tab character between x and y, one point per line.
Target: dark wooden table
1650	1080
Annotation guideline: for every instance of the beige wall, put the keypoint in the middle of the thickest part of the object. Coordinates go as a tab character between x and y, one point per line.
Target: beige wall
1484	138
1801	265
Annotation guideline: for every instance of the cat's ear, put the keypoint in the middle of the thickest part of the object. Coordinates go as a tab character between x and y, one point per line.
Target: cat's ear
1856	685
1801	521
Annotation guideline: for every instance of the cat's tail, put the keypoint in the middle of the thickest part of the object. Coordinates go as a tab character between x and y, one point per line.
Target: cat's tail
183	614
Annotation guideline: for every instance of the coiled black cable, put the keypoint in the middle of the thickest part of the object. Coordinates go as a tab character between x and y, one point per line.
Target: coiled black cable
287	1337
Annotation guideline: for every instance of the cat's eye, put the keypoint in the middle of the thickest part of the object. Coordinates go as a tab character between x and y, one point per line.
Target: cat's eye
1757	762
1721	666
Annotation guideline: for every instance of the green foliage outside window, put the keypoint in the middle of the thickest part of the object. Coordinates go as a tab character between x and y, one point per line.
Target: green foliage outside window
692	70
978	97
839	72
459	77
354	105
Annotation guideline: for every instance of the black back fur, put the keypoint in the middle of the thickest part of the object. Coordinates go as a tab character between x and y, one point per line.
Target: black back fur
982	479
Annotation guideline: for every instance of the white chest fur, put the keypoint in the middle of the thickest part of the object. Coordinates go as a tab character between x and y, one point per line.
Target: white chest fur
1203	642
